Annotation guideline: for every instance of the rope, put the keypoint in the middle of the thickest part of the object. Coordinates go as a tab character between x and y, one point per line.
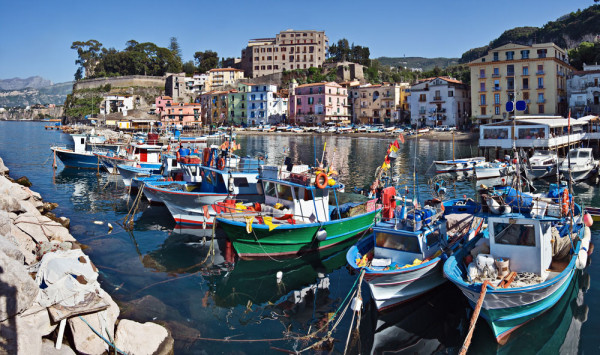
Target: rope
477	309
128	220
103	338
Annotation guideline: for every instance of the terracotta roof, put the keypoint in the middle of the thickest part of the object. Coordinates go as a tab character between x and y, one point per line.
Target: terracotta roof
315	84
224	69
166	97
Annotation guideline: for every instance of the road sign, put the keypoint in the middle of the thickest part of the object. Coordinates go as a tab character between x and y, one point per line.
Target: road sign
521	105
510	106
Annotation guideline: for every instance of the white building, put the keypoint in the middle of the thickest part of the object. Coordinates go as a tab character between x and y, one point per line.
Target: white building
196	83
265	106
440	101
117	103
583	91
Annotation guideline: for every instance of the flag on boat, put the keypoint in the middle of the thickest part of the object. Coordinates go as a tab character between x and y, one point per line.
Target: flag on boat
401	138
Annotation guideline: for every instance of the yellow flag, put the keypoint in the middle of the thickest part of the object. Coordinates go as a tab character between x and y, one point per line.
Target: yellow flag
393	148
240	206
269	222
249	221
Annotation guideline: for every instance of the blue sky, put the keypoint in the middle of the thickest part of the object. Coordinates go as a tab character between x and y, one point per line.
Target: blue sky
37	35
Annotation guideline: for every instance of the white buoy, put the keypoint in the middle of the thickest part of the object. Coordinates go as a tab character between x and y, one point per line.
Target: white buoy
98	223
581	261
356	304
279	276
321	235
110	228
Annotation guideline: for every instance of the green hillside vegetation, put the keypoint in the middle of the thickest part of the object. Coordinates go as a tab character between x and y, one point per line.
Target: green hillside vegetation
567	32
417	62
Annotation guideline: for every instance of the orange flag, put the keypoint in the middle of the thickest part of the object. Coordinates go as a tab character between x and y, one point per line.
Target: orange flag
401	138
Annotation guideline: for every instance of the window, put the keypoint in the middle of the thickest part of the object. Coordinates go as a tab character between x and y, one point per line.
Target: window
514	234
497	110
482	73
497	99
525	70
495	57
450	93
399	242
496	84
542	53
299	101
510	55
311	100
510	69
525	54
525	83
270	189
482	86
540	99
541	108
540	69
540	83
496	72
284	192
510	83
482	99
483	111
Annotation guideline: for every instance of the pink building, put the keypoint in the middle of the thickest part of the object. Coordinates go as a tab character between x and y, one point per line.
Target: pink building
184	114
318	104
162	102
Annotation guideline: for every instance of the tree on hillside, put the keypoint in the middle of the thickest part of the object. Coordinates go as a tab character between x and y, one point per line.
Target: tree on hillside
189	67
206	60
174	48
88	56
585	53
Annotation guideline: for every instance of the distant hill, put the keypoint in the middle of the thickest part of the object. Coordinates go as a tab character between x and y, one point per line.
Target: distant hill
50	94
567	32
34	82
418	62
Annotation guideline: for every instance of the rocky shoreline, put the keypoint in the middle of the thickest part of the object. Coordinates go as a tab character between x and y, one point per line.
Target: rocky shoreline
49	287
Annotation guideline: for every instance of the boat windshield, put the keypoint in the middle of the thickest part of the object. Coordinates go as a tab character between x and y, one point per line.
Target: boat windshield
573	154
398	242
584	154
514	234
541	152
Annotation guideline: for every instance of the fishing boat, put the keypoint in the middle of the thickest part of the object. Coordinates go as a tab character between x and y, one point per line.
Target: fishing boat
296	216
454	165
526	263
594	212
207	186
493	170
582	164
403	257
542	163
81	155
297	130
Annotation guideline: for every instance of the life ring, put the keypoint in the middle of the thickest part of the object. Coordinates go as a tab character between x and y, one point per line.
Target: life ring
565	202
321	180
221	164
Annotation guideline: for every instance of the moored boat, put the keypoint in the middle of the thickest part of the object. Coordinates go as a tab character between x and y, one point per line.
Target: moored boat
453	165
542	163
582	164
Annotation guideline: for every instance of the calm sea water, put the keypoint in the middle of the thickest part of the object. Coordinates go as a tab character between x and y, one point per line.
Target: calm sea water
211	302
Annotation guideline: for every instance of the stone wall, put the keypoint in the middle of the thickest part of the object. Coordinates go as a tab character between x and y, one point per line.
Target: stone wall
121	81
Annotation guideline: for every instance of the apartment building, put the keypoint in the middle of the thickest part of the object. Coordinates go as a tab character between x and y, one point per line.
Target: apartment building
536	74
180	113
378	104
289	50
583	90
222	78
440	101
318	103
238	104
214	107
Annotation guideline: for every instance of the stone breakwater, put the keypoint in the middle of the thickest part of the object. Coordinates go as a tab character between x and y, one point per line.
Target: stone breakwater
49	287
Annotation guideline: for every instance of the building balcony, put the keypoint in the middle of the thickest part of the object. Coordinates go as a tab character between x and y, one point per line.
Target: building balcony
580	103
437	98
510	88
482	76
511	73
422	100
495	75
541	101
539	72
497	88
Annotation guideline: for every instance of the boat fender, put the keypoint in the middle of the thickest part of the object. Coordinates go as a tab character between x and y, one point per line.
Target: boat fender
230	186
588	220
356	304
582	256
321	235
496	208
279	276
321	180
565	202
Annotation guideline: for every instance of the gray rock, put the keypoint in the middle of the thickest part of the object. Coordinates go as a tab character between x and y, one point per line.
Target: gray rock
29	207
16	286
147	338
31	225
19	192
10	204
3	169
8	246
5	223
49	349
84	339
19	335
39	317
25	244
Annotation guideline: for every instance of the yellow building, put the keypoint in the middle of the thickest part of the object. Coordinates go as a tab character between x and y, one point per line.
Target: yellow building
223	78
536	74
379	104
214	107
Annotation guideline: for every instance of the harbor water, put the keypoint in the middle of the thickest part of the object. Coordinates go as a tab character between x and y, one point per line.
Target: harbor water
213	303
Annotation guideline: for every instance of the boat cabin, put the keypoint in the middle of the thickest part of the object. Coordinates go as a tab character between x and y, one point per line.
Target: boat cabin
146	153
525	242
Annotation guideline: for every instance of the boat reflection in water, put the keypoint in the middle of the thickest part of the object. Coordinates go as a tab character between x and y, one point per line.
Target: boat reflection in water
435	322
256	281
556	331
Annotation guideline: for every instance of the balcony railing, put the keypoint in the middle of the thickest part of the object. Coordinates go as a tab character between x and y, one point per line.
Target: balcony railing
539	72
541	101
497	88
482	76
437	98
495	75
580	103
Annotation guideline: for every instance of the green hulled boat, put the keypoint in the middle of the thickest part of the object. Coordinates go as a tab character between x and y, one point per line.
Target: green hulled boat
296	216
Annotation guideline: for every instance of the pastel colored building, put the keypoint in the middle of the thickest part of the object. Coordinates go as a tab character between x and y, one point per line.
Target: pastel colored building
265	106
318	103
222	78
536	74
215	107
440	101
162	102
378	104
184	114
238	105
